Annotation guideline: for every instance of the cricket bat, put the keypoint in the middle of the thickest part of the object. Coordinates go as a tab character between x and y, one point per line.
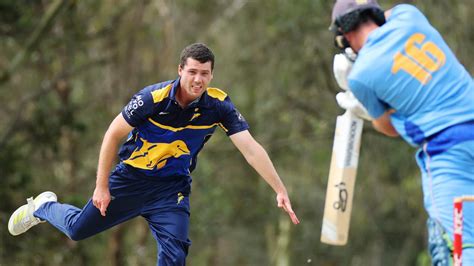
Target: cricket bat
342	175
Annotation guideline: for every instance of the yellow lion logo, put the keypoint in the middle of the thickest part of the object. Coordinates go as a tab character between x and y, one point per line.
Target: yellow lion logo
155	155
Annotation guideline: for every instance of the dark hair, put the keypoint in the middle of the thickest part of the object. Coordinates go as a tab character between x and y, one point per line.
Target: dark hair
199	52
352	20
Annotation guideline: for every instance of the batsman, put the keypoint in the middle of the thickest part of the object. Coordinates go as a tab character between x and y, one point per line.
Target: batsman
413	86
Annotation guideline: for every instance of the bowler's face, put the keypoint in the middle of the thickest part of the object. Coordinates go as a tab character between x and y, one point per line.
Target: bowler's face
195	77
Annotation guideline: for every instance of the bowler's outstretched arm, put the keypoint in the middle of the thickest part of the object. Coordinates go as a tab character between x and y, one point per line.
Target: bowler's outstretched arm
258	158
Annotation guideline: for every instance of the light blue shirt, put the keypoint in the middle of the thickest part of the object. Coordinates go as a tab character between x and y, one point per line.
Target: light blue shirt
406	65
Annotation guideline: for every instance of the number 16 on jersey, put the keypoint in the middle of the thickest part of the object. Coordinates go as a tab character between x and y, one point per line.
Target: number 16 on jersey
342	175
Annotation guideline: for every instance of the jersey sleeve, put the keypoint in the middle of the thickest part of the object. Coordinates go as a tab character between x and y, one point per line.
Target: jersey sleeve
368	99
139	108
232	120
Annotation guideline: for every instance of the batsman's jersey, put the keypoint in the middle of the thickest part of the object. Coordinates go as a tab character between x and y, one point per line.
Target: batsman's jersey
166	138
406	65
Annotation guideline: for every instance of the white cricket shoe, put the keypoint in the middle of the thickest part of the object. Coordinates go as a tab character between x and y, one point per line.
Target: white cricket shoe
22	219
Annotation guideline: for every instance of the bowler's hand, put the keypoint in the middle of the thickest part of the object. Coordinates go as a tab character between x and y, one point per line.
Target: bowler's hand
285	204
101	199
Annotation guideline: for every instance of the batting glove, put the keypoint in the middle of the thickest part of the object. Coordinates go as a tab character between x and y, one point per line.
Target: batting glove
342	66
348	101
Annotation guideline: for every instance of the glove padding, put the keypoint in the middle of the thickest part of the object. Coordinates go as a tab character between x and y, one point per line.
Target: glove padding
348	101
342	66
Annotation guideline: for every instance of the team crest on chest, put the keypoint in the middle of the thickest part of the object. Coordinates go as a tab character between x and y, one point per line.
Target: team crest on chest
155	155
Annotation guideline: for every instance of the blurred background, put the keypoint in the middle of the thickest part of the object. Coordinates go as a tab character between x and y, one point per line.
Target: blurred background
68	67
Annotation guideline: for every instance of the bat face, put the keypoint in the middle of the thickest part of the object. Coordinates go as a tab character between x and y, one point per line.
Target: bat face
342	174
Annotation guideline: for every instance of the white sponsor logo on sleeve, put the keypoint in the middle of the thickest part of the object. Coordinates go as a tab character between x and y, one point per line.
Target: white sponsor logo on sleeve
133	105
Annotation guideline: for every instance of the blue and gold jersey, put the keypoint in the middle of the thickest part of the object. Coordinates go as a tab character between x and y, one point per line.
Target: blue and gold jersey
406	65
167	138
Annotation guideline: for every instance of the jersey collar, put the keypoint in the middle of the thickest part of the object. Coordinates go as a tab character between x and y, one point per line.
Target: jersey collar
199	102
